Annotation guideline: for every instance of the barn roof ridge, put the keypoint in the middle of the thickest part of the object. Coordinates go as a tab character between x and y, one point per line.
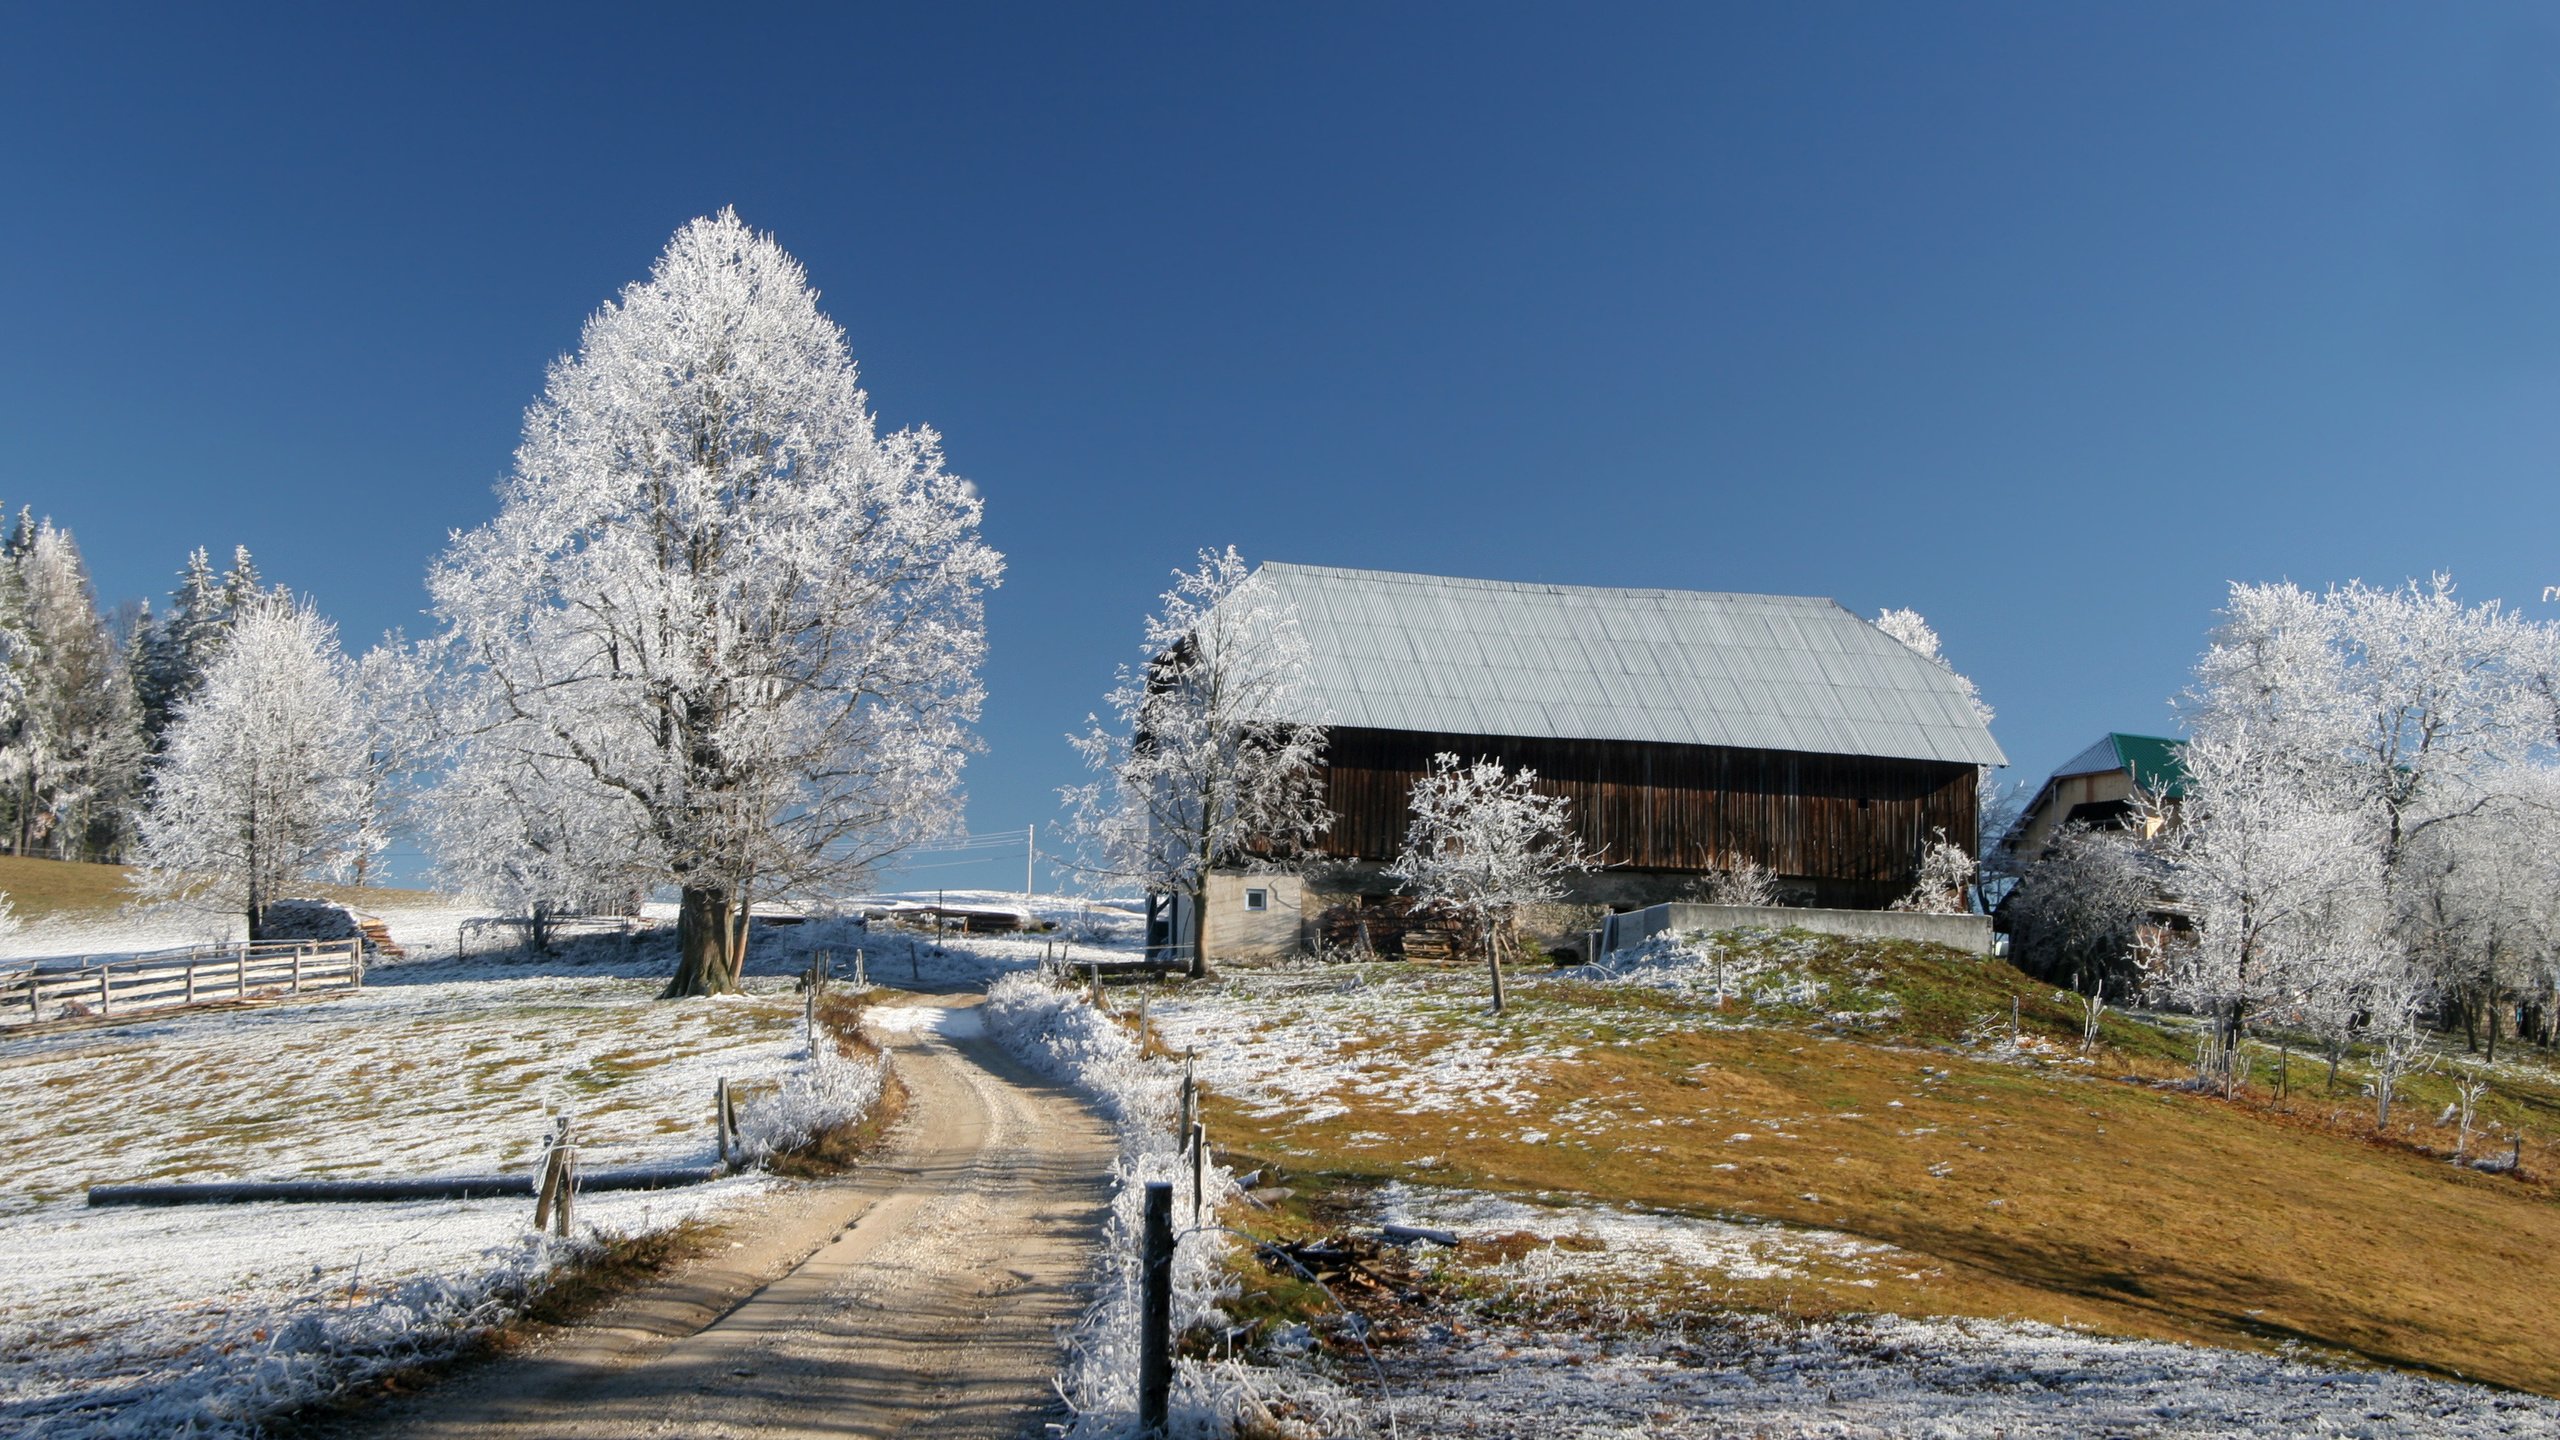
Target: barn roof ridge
1394	650
1534	587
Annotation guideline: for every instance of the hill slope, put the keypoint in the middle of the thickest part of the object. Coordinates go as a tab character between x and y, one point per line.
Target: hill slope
1873	1092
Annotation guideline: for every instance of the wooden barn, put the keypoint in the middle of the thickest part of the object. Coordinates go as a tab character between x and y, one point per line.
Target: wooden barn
1692	731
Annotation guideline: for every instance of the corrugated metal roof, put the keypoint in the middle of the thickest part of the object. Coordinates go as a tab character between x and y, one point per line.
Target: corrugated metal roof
1678	667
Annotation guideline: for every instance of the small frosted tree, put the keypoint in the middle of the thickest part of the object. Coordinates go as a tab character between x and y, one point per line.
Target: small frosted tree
716	590
2078	910
1215	761
1939	882
1485	843
261	786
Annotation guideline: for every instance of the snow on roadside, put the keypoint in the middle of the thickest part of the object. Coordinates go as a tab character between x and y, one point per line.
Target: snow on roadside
1056	1031
200	1319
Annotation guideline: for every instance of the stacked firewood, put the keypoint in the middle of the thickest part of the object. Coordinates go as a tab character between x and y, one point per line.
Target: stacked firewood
1395	927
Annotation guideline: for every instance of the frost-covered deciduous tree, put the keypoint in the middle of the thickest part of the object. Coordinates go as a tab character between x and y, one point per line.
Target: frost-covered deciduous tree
262	782
2078	911
2274	851
2438	698
717	591
1484	842
1911	629
2479	903
394	686
1216	761
2281	879
535	836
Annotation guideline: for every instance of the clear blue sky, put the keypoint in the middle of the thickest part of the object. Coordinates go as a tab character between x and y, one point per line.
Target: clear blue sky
2047	321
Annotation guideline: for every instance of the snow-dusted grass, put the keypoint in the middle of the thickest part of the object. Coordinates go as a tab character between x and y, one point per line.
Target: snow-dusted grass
1887	1377
143	1321
1595	1251
1310	1044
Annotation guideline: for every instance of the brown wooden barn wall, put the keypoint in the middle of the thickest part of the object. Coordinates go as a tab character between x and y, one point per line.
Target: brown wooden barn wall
1677	807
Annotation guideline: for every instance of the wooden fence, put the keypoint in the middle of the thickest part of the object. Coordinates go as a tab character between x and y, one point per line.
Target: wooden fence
102	987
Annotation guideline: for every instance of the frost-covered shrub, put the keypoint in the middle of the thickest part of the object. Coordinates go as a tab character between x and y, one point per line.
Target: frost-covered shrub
268	1361
831	1089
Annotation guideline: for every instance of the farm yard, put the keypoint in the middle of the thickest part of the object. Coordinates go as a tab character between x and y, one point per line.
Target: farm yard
1627	971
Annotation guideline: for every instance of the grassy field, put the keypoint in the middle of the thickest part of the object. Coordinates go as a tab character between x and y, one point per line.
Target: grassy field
40	889
1873	1090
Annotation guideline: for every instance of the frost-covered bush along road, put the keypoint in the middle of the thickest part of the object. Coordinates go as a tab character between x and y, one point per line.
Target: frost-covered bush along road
145	1321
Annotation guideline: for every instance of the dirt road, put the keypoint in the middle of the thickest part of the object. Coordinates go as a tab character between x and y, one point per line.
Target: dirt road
940	1277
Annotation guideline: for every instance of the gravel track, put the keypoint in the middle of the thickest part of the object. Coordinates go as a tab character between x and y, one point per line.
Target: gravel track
922	1296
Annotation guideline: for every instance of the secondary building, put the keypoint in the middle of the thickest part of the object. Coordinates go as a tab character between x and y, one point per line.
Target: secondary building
2100	786
1692	731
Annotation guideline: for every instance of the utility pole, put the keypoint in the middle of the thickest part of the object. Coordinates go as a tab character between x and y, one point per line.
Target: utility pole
1028	831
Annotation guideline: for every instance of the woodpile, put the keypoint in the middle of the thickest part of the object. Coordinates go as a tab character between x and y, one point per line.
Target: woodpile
1396	928
377	935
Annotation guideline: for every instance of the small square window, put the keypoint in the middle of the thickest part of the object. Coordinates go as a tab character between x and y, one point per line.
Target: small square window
1257	899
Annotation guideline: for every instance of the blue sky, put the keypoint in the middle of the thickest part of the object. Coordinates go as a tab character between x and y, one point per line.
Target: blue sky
2047	321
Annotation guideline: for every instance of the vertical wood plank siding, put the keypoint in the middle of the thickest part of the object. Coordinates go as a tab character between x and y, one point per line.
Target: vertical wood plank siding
1676	807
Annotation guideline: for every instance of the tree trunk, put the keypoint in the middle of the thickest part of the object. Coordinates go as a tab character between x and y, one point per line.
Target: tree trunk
2496	1001
711	943
1200	930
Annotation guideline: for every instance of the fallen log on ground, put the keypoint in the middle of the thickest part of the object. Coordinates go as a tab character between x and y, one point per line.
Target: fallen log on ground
432	1187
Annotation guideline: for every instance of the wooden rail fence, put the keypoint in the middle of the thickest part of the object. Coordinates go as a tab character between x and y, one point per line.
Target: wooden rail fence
102	987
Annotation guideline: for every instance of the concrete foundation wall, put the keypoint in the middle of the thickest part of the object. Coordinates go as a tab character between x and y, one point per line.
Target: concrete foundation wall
1274	933
1962	932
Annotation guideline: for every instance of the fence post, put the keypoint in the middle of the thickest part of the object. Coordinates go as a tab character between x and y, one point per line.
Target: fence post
191	979
550	1190
1190	1103
725	1120
1155	1342
1199	1174
240	973
861	971
568	1182
355	962
297	969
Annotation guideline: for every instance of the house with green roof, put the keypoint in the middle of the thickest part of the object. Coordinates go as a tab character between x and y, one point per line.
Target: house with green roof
2099	786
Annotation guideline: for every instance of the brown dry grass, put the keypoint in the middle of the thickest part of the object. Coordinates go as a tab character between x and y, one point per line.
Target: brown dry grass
2056	1193
41	888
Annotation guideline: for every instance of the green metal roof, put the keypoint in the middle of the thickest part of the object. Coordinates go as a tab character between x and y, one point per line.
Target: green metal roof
2156	762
